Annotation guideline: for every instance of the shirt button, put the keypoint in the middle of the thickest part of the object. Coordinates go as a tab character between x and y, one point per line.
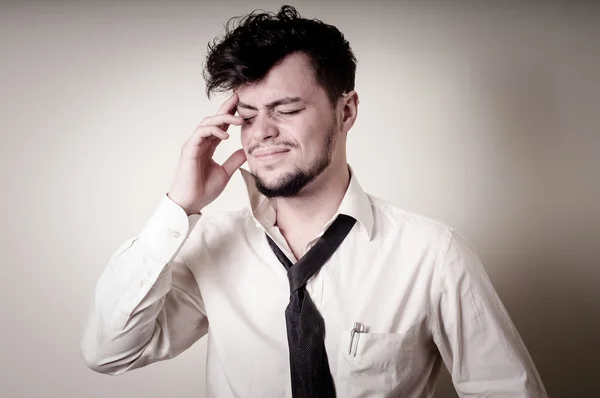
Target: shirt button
144	282
175	234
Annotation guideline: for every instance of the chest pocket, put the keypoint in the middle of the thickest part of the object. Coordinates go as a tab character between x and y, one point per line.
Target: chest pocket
383	361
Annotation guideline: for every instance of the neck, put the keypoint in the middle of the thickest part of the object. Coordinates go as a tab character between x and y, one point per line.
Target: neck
307	213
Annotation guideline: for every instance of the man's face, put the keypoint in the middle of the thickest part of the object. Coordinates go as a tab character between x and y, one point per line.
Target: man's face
290	129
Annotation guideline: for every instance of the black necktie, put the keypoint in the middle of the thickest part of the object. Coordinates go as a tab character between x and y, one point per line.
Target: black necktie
310	372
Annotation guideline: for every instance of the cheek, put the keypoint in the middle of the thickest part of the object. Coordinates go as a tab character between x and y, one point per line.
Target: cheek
245	138
310	137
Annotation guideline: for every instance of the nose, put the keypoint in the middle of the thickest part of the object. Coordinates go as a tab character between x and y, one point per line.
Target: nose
263	129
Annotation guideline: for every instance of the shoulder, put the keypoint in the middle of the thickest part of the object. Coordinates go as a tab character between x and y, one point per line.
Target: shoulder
433	244
391	218
424	239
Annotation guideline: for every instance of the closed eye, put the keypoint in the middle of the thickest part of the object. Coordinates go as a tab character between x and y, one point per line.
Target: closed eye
249	119
291	112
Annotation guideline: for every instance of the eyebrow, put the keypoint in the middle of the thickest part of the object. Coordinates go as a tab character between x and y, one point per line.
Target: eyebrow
270	105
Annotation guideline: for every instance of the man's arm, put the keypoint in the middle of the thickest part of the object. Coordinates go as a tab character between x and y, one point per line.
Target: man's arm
474	334
147	306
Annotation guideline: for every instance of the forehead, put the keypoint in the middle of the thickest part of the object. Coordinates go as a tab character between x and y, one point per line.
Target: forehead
293	77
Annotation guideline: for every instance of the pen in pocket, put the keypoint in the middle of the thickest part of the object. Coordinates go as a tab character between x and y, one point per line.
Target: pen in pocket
356	331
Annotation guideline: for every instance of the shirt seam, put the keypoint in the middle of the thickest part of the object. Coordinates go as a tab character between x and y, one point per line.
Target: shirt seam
440	269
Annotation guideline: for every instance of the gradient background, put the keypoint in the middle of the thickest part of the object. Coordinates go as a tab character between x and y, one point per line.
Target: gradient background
485	115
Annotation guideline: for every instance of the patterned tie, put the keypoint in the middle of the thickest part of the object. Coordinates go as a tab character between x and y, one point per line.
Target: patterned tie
310	372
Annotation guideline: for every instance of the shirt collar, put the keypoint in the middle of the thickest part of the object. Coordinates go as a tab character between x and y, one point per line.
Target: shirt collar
355	203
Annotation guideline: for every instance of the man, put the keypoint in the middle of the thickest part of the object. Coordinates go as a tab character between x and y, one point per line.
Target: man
317	289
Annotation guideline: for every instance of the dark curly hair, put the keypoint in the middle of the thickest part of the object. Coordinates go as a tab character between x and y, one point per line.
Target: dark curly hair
247	52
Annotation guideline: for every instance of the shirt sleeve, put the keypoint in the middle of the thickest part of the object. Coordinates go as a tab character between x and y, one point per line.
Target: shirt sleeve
147	305
475	336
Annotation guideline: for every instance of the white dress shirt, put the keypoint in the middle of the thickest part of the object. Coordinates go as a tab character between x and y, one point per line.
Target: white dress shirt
414	283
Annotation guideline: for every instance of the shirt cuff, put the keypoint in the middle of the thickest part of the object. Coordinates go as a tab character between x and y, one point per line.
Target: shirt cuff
167	229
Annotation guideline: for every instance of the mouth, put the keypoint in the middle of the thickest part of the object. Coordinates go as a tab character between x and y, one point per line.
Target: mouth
269	154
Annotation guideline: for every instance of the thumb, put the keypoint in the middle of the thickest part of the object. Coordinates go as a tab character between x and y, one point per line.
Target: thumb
234	162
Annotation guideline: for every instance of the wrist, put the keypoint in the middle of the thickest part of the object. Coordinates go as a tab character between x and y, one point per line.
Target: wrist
188	209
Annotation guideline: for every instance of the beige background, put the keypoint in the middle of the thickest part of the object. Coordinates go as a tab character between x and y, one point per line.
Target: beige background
483	114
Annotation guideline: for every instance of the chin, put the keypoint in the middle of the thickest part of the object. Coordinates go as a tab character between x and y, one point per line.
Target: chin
280	183
269	178
270	174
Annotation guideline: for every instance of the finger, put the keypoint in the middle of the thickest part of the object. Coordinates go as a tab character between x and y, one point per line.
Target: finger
229	105
203	133
218	120
212	147
234	162
205	148
228	108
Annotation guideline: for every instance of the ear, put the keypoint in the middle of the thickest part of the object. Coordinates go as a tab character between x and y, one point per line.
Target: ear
349	105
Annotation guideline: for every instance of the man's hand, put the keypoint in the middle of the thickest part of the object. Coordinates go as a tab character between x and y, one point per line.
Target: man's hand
199	179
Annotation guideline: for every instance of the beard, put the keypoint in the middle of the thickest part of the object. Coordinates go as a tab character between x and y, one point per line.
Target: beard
291	184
